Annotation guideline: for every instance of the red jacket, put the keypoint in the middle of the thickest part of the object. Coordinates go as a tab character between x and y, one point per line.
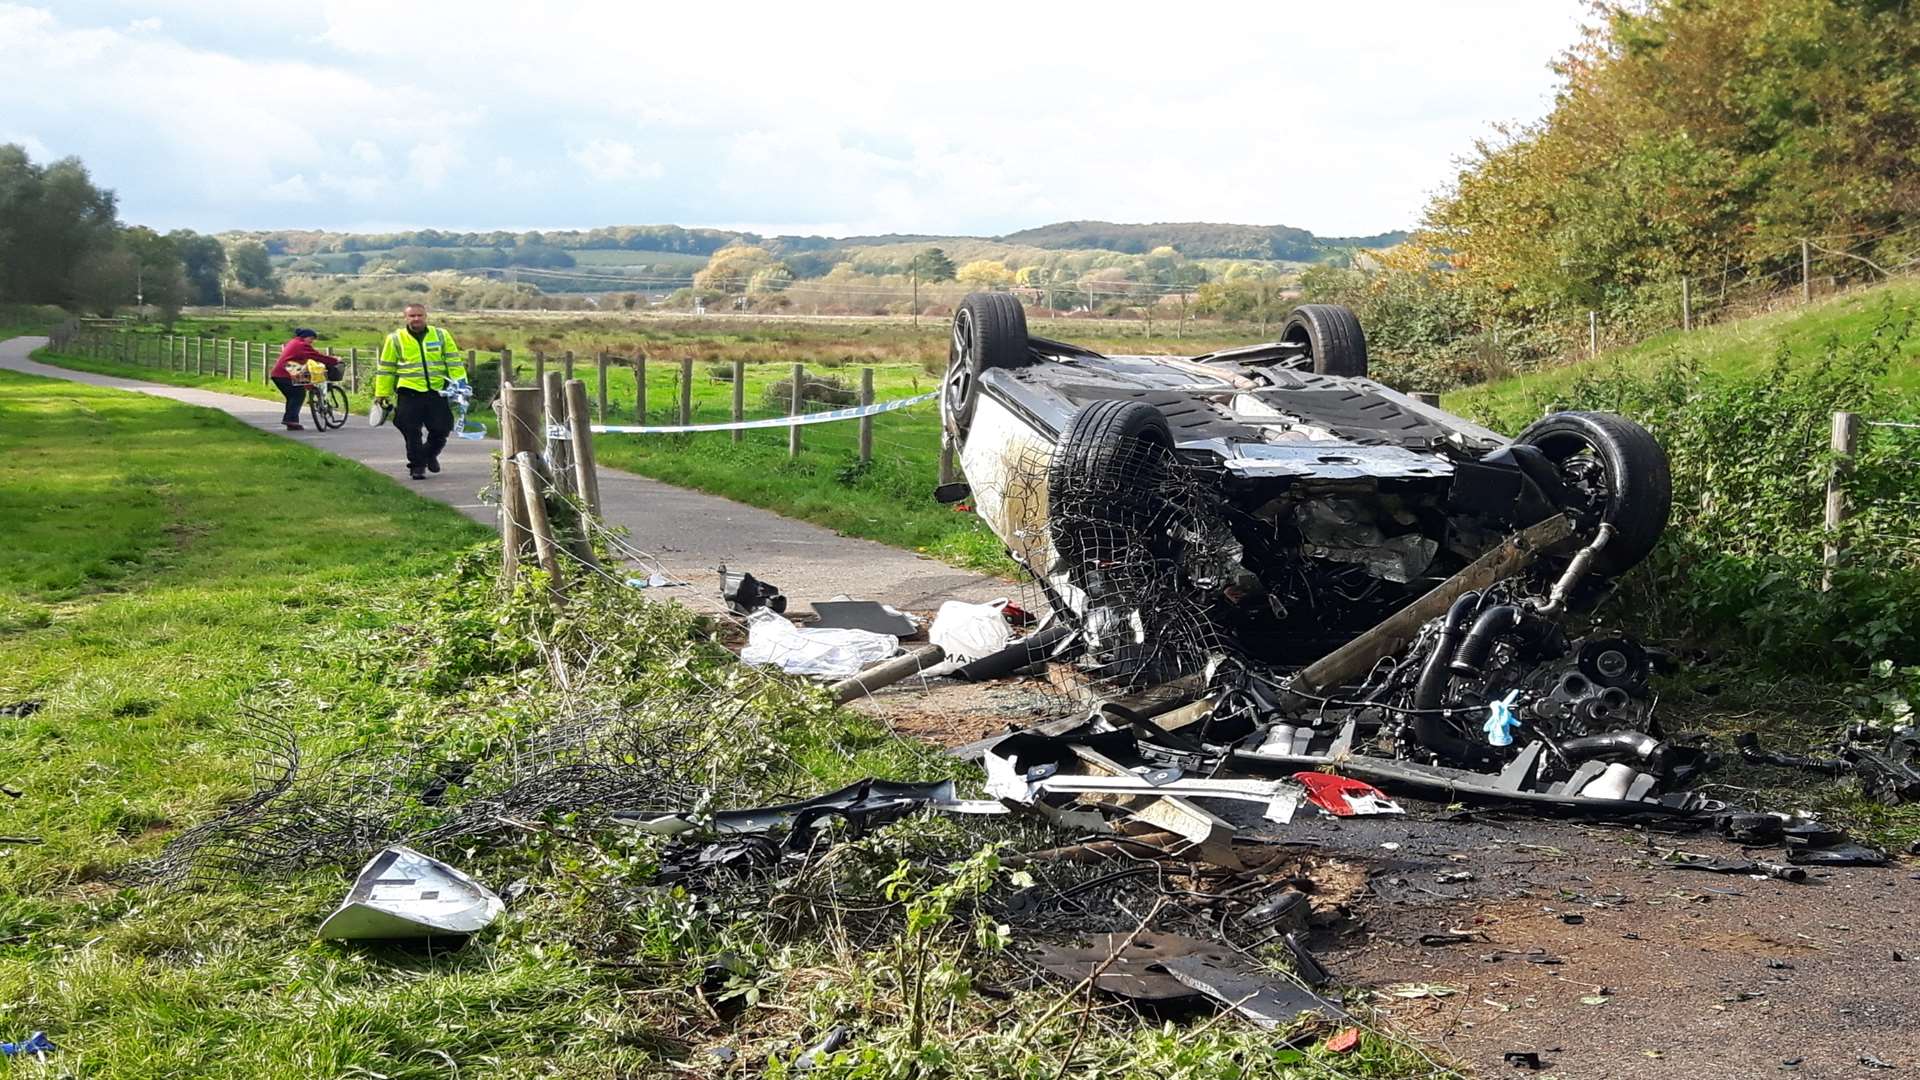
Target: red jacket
299	351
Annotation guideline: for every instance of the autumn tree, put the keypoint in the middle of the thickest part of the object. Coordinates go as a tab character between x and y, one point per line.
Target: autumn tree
731	268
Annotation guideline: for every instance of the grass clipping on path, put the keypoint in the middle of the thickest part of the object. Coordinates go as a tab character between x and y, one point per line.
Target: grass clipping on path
168	569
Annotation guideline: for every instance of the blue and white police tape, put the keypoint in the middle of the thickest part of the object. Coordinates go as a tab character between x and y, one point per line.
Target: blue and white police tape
853	413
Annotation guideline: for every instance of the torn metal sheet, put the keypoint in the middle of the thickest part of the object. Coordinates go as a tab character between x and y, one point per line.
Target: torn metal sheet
1170	969
869	803
1131	973
1280	800
1017	762
1266	1002
401	893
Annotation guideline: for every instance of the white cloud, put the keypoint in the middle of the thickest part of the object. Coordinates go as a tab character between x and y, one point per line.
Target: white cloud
428	163
293	189
610	159
1339	118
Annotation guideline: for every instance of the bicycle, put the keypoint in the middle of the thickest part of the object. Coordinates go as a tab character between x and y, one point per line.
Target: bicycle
326	398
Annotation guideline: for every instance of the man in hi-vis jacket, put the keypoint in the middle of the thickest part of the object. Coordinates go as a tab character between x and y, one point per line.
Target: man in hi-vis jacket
417	363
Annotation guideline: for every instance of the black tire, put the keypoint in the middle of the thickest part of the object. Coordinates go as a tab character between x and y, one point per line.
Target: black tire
339	402
1103	484
1615	472
989	331
317	408
1332	335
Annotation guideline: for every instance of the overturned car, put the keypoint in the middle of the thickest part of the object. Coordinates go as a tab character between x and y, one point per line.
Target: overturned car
1337	568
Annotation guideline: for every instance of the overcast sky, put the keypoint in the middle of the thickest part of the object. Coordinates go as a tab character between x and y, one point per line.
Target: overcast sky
835	118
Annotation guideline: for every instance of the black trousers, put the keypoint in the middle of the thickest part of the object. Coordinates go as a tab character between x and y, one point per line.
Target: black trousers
424	419
296	396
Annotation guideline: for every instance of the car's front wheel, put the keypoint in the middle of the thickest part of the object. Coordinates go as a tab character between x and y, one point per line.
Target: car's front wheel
1614	471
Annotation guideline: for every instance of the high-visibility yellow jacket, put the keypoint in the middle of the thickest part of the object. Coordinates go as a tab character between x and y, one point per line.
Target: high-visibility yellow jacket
427	364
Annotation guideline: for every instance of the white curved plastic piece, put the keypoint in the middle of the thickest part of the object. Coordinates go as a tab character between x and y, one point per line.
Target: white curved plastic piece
401	893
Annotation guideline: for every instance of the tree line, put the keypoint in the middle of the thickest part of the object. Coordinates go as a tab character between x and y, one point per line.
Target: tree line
62	243
1697	139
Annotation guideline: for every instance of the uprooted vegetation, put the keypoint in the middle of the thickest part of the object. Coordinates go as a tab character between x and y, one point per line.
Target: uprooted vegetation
904	934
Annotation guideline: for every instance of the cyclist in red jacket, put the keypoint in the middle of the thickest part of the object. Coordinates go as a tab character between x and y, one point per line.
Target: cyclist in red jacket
296	353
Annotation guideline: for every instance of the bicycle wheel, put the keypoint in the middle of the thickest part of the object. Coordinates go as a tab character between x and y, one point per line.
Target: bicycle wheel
317	406
337	399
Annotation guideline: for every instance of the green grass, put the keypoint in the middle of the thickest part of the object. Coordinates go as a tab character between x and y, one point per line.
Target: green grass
1744	347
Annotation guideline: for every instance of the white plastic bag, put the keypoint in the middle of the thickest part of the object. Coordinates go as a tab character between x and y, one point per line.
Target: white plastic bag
836	654
970	632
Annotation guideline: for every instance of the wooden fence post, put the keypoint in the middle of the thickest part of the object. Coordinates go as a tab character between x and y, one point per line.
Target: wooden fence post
640	388
1845	440
585	479
600	364
566	366
1593	333
1686	304
799	404
1806	276
866	422
535	505
686	390
473	361
506	366
559	452
513	533
946	458
539	368
169	345
739	398
1425	397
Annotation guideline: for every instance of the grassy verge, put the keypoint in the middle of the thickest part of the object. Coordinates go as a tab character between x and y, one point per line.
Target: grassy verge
147	592
1743	348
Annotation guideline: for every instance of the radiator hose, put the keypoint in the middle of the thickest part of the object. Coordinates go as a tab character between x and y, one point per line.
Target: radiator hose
1430	729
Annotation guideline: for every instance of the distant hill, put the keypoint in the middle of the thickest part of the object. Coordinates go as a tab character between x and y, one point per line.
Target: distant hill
1197	239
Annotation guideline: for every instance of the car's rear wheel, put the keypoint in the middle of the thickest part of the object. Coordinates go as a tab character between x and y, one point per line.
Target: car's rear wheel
1614	471
1104	484
1107	520
989	331
1331	332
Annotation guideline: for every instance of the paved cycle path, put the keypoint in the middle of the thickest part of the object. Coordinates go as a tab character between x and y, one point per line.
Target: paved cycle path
689	532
